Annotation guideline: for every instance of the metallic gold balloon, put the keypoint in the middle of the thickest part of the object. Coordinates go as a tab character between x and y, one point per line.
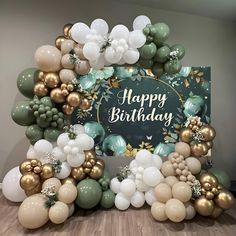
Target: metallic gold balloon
208	178
87	164
67	109
37	169
35	162
208	133
225	199
29	181
40	89
215	191
25	167
52	80
87	170
85	104
47	171
66	30
35	190
100	162
41	76
89	155
203	206
186	135
209	144
199	149
59	41
70	87
207	186
73	99
96	172
57	96
69	180
78	173
216	212
209	195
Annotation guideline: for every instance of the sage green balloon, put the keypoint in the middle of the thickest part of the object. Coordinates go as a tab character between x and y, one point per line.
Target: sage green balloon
222	177
180	49
162	54
172	67
34	133
158	69
22	114
47	101
51	134
146	64
104	181
161	33
108	199
26	81
42	123
148	51
89	193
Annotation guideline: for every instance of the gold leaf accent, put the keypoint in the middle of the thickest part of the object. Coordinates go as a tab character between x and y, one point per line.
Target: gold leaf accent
186	83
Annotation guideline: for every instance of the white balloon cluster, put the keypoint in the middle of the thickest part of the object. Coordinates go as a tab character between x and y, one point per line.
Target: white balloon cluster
138	187
117	47
69	151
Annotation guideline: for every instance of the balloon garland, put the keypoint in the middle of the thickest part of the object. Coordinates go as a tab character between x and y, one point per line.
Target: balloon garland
62	169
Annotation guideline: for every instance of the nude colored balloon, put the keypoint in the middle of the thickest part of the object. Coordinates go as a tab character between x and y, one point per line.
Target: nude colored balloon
182	191
175	210
48	58
158	211
163	192
183	149
67	46
52	182
190	211
167	169
79	51
67	75
32	213
171	180
67	193
194	165
82	68
66	62
59	212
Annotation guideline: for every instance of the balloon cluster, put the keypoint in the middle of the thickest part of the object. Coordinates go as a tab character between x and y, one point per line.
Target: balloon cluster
199	136
214	199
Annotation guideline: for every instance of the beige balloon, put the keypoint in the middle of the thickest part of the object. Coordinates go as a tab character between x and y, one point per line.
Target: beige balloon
175	210
67	46
167	169
158	211
32	212
52	182
182	191
71	209
171	180
183	149
79	51
66	62
163	192
66	76
59	212
67	193
190	211
48	58
194	165
82	68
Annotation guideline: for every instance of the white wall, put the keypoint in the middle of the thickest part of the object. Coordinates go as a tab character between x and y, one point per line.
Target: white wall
26	25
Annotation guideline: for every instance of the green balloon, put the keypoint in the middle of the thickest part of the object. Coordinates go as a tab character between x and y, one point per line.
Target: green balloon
34	133
146	64
162	32
148	51
47	101
158	69
26	81
180	49
162	54
22	114
222	177
104	181
42	123
51	134
108	199
89	193
172	67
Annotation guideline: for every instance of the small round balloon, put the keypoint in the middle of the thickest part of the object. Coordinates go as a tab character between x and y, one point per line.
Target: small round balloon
108	199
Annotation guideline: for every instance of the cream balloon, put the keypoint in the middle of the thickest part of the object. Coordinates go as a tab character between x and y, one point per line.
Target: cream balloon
82	68
167	169
66	62
190	210
67	76
158	211
175	210
171	180
67	46
67	193
52	182
194	165
59	212
182	191
163	192
183	149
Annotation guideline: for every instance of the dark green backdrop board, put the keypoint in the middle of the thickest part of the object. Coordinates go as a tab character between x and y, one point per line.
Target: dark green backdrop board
143	109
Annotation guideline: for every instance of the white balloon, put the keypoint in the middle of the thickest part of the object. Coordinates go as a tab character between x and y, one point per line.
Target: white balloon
138	199
131	56
11	188
79	31
91	51
71	208
136	39
72	143
127	187
84	142
140	22
120	32
115	185
111	55
122	202
156	161
58	154
67	149
42	148
133	165
78	129
76	160
62	140
121	61
100	26
99	63
150	197
141	186
31	154
143	157
64	172
152	176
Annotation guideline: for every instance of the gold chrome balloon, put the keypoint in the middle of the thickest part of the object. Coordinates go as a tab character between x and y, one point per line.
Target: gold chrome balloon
85	104
209	144
96	172
47	171
216	212
59	40
209	195
52	80
67	109
41	76
186	135
57	96
40	89
69	180
25	167
225	199
89	155
66	30
208	178
100	162
199	149
203	206
73	99
208	133
29	181
35	190
78	173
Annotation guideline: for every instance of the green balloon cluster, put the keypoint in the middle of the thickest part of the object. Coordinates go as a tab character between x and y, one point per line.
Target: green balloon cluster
157	55
104	181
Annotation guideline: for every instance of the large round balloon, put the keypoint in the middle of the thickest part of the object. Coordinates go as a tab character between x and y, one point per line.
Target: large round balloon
89	193
26	81
34	133
22	114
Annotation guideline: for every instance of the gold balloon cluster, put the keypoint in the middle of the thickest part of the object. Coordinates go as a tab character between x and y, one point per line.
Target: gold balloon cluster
215	199
198	136
33	175
66	35
92	167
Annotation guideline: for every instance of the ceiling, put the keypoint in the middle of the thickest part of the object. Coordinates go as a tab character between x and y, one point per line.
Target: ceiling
219	9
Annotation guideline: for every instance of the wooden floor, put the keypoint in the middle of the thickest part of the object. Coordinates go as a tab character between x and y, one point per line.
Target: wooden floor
116	223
